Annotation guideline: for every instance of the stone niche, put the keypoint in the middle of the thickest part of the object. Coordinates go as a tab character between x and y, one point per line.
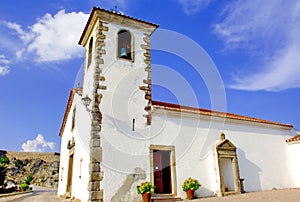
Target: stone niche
228	167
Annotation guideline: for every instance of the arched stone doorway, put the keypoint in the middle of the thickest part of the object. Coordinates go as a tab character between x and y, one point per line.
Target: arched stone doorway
228	167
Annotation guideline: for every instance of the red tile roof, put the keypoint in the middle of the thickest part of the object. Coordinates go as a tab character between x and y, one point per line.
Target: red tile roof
201	111
68	108
111	12
293	139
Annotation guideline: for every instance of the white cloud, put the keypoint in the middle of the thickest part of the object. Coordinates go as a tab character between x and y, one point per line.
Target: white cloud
51	38
22	34
270	31
39	144
3	60
193	6
4	68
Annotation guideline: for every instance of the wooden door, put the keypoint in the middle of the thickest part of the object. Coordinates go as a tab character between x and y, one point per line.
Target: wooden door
70	174
158	181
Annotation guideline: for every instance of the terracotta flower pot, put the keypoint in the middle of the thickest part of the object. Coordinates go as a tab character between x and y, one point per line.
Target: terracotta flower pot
190	194
146	197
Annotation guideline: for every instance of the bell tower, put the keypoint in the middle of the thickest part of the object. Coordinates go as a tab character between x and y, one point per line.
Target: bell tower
117	78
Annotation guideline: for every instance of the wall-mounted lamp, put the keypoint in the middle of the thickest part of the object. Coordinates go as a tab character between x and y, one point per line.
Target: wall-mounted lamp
94	115
86	101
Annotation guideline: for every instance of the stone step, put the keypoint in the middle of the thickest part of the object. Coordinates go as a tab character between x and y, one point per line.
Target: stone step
67	195
165	198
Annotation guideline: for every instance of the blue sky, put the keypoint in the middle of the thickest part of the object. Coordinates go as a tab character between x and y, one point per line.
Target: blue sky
254	44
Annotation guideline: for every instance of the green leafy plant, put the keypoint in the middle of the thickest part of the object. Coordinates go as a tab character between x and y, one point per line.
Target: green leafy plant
190	184
3	172
26	161
29	179
4	160
18	163
145	187
3	164
24	187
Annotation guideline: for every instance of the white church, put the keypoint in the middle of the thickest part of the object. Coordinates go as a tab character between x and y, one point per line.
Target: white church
114	136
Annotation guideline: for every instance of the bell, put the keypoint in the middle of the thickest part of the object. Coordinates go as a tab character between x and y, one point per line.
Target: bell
123	52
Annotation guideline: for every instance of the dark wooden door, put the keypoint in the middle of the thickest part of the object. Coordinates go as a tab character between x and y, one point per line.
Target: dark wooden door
158	181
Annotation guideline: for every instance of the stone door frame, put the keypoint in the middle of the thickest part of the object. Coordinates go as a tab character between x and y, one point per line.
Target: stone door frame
225	149
70	172
172	165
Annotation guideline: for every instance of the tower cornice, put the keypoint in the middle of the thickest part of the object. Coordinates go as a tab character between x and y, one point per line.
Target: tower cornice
116	18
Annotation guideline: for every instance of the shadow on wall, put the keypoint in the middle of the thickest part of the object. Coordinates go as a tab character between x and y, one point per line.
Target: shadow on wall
249	172
124	128
127	192
203	192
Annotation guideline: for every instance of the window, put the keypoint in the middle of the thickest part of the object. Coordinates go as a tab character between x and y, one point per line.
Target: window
90	53
125	45
73	119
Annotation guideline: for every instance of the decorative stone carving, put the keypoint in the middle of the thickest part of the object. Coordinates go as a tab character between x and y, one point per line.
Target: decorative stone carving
222	136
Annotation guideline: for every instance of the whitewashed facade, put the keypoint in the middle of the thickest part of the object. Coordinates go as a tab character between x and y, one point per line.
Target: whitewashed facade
124	137
294	149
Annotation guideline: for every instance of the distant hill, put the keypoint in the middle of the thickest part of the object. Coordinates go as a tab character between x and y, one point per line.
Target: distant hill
43	166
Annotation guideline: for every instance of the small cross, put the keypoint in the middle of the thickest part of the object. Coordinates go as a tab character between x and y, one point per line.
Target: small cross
115	10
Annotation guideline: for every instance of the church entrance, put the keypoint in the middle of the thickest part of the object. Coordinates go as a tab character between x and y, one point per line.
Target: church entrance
162	161
162	172
70	175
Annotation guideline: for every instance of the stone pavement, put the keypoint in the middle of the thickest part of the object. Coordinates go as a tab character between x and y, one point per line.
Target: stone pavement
281	195
39	194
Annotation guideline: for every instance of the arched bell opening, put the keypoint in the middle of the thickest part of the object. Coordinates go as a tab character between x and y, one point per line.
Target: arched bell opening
125	46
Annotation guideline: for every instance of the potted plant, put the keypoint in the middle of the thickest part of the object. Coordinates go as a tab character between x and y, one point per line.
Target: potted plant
145	189
24	187
189	186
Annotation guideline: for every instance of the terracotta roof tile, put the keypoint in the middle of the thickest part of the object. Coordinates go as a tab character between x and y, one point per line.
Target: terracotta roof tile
181	108
293	139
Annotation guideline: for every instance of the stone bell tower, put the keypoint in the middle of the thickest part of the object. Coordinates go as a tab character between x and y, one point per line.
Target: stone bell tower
117	78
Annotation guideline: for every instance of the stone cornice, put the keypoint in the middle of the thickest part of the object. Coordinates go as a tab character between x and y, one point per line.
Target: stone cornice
116	18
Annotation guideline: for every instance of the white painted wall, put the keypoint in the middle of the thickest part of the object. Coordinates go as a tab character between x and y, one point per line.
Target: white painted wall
80	168
124	150
262	152
89	70
294	151
64	159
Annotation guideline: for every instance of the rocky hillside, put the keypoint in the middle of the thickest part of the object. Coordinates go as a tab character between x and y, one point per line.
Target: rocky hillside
43	167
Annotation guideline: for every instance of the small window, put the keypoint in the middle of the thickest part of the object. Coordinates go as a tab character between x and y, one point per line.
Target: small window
73	119
125	50
90	53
